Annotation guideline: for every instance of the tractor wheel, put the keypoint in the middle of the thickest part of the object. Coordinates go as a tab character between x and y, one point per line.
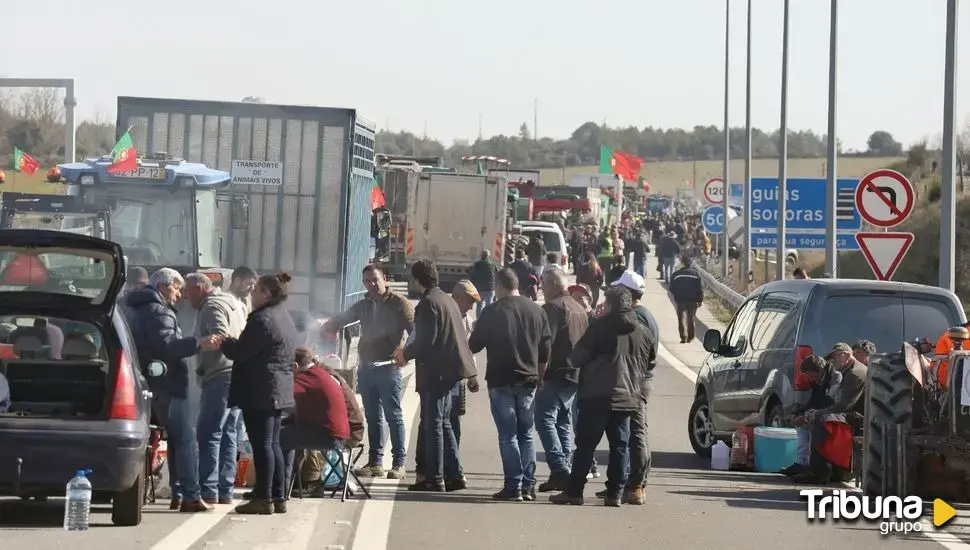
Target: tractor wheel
512	243
889	401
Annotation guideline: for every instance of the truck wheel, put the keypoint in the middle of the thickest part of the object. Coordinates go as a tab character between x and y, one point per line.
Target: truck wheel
889	401
126	507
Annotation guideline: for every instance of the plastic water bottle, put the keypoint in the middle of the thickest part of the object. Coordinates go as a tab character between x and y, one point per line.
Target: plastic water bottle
720	456
77	508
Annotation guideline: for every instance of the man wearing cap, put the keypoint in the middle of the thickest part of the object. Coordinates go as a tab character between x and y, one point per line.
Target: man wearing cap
688	293
559	379
583	296
847	398
639	457
863	350
825	382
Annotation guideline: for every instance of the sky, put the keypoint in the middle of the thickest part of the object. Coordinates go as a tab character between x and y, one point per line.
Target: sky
444	67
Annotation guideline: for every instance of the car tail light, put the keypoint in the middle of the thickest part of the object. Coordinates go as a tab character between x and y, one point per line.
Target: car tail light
801	352
562	260
123	406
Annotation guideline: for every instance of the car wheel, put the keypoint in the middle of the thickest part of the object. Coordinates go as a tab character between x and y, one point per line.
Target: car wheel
700	426
126	507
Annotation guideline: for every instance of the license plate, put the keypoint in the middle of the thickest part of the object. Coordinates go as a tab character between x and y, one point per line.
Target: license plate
143	173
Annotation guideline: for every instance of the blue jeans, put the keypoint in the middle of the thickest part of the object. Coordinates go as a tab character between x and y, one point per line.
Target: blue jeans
488	296
513	409
437	444
553	418
595	418
380	390
216	430
667	267
182	451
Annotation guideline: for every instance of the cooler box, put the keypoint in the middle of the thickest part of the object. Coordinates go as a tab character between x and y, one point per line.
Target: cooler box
774	448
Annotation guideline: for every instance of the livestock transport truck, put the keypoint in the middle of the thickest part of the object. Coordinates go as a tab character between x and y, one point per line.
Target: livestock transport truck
303	206
447	217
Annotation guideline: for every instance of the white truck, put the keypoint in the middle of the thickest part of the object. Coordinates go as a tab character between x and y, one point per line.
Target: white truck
450	218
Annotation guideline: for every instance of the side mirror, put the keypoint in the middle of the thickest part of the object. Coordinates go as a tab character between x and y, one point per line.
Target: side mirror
240	213
156	369
712	341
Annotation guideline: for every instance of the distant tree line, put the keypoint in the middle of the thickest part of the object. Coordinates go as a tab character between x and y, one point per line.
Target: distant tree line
33	120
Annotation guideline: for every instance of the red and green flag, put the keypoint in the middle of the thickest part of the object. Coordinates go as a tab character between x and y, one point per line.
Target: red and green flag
22	162
123	156
376	196
622	164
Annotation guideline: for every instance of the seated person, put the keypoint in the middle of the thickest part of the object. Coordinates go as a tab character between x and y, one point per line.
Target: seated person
825	382
320	421
863	350
847	399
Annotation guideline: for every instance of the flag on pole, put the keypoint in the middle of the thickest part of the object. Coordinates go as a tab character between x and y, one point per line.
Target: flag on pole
376	196
622	164
22	162
123	156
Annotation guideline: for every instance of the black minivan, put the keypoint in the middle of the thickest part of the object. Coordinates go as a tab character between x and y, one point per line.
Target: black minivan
749	376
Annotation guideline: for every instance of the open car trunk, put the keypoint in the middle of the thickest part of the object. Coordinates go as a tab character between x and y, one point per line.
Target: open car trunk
43	388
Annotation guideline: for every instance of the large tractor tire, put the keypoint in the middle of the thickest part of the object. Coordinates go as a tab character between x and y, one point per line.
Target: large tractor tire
512	243
889	401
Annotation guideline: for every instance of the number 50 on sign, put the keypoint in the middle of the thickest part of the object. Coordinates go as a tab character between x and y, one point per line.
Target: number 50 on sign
713	219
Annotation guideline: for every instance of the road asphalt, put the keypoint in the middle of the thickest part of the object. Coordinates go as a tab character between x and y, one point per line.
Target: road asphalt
689	506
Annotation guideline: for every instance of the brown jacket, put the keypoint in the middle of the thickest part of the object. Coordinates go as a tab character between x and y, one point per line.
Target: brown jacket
383	322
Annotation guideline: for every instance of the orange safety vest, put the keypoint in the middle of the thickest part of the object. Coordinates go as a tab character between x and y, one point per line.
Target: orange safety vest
942	351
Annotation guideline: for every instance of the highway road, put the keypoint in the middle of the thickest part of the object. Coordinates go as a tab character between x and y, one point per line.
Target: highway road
688	505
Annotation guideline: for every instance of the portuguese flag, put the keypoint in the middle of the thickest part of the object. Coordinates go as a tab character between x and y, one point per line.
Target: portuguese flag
22	162
123	155
376	196
622	164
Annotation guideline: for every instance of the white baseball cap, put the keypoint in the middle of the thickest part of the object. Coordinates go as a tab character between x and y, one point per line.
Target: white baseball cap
631	280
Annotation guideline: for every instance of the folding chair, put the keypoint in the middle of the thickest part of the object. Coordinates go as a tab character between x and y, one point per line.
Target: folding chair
349	457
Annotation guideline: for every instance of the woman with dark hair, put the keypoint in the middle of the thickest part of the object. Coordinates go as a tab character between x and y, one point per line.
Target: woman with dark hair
262	386
589	273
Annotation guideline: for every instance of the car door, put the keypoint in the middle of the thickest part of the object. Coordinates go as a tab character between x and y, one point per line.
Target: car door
771	347
725	383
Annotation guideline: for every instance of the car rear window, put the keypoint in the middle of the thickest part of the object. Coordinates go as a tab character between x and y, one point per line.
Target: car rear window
56	271
886	320
549	238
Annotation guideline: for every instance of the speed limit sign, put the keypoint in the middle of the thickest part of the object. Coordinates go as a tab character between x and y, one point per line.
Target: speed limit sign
714	191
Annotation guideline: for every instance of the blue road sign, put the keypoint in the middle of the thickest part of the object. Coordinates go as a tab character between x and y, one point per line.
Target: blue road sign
802	241
805	205
713	219
737	191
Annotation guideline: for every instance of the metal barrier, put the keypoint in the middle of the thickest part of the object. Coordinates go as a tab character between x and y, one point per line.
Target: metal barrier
712	283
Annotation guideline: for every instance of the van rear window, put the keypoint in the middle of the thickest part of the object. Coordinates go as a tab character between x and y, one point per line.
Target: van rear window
549	238
887	321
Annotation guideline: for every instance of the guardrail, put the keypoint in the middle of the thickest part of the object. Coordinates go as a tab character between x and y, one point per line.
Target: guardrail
731	298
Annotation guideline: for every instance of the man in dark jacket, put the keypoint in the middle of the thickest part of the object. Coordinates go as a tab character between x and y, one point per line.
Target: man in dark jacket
525	274
536	249
688	293
154	326
554	399
667	252
384	317
612	358
440	349
515	332
482	275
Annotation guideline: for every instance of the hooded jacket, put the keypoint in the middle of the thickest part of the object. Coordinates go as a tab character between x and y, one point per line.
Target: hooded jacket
158	337
613	358
221	314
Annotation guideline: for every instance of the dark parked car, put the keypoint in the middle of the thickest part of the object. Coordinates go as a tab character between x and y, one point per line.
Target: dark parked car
748	378
83	404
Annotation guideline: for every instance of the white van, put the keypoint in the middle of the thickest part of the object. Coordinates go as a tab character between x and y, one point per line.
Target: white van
551	236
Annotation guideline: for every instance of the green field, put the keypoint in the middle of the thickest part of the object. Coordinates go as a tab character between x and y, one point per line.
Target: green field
22	183
668	176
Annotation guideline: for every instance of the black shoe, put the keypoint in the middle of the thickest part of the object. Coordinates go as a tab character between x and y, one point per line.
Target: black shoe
793	470
508	495
565	498
456	484
809	477
556	482
612	501
602	494
279	506
529	495
255	507
427	486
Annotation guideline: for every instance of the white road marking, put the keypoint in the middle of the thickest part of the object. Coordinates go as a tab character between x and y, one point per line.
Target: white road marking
374	525
947	540
189	532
